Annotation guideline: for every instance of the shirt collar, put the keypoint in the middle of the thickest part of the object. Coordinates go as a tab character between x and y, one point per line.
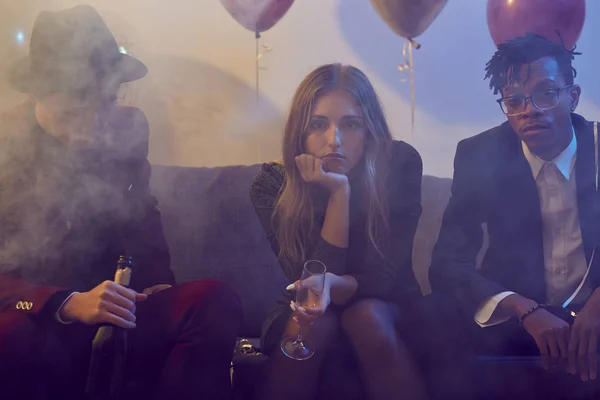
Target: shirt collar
565	161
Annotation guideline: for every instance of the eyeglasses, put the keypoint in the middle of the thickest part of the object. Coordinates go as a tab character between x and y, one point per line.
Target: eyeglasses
542	100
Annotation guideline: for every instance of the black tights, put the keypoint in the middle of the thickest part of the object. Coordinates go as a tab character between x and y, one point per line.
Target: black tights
387	367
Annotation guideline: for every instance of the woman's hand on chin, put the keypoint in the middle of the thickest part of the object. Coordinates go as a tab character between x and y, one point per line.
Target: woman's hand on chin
312	171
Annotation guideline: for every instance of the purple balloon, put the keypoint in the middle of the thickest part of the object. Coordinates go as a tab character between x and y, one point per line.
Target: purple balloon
509	19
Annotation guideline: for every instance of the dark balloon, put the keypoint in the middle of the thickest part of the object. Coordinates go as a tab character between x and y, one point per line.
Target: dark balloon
408	18
509	19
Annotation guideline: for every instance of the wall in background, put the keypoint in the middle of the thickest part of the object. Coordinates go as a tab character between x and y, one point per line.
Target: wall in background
200	97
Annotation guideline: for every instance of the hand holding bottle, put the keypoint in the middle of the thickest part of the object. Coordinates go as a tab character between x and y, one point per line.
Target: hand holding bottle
107	303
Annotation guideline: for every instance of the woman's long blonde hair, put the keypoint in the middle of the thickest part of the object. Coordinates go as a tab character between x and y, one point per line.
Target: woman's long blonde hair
294	214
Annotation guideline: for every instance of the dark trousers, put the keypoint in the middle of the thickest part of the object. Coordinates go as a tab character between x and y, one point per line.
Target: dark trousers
510	359
441	347
180	349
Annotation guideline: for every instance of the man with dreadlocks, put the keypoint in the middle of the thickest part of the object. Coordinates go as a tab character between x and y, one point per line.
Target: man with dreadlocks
533	181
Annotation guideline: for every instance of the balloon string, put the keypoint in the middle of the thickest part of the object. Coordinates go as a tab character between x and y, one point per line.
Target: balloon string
259	55
408	69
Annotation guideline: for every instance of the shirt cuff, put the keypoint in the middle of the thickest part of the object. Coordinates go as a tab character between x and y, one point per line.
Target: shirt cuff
486	315
57	314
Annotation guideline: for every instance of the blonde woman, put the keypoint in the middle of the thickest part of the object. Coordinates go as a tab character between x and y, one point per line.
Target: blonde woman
349	195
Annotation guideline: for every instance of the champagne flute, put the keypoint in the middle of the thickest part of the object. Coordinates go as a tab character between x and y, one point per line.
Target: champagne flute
308	294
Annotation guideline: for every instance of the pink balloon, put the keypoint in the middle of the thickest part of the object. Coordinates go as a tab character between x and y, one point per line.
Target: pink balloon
509	19
257	15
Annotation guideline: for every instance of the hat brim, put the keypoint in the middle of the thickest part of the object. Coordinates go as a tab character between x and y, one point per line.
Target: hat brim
23	78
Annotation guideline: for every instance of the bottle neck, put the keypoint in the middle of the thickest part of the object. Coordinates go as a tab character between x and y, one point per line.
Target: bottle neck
123	276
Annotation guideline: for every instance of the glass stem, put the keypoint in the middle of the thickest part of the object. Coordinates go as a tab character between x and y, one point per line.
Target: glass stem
299	337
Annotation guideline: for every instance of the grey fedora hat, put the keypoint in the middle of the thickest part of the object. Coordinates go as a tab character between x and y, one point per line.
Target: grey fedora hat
70	50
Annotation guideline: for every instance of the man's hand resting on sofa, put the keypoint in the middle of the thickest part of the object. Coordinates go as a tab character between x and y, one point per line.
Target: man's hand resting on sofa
108	303
583	343
551	334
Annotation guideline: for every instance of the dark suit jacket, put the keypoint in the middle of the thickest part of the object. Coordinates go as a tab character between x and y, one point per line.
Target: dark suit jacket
66	216
493	184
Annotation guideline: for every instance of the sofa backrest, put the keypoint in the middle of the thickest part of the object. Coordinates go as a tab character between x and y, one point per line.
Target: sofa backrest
213	232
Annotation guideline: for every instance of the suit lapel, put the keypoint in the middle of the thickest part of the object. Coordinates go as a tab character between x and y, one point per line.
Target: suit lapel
585	175
519	196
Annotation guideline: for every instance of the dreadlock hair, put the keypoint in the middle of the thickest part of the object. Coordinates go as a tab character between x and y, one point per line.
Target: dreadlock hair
503	67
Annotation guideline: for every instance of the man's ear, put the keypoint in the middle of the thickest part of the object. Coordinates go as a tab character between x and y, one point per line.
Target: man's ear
575	94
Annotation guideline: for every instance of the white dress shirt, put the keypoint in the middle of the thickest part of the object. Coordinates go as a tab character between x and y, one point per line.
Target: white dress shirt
564	257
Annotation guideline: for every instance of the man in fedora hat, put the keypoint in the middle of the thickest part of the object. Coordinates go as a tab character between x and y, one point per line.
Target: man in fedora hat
74	195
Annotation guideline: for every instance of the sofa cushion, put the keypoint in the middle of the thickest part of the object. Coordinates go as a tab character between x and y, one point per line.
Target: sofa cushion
435	193
213	232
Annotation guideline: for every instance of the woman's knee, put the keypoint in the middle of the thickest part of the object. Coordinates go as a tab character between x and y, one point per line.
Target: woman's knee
370	325
367	315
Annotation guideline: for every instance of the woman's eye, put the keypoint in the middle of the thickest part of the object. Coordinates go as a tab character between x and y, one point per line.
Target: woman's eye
354	125
317	126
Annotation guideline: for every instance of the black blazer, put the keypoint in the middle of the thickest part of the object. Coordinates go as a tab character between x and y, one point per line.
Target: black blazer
493	184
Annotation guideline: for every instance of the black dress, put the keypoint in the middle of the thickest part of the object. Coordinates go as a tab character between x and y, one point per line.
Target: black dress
388	278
